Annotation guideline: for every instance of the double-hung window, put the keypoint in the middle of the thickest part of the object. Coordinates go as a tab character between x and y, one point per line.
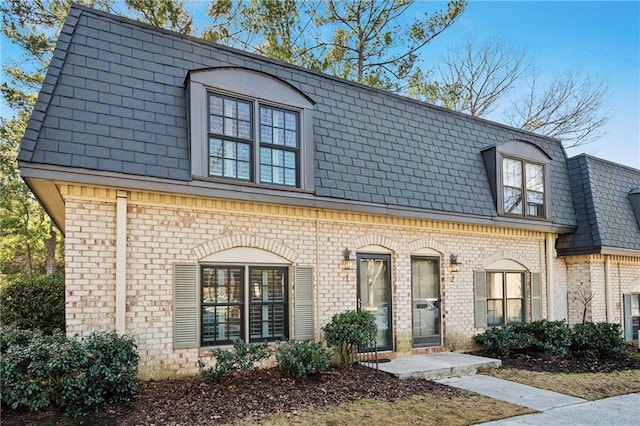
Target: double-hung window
523	188
237	137
243	302
505	298
249	127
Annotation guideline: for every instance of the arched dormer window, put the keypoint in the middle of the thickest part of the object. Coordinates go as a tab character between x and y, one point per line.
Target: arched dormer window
519	176
249	127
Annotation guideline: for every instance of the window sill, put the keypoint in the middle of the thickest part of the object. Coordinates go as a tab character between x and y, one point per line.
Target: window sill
250	185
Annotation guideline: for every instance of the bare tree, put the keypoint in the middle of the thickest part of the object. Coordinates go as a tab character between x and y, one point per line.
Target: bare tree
571	108
475	77
479	78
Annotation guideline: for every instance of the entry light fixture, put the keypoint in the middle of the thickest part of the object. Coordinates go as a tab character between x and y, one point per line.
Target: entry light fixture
347	262
454	263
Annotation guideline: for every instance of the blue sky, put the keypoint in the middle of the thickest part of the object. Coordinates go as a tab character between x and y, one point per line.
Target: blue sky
600	38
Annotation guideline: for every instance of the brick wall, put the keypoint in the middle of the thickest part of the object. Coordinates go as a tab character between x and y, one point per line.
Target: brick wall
161	234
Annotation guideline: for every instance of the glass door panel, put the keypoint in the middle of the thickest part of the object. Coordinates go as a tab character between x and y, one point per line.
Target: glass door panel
374	294
425	291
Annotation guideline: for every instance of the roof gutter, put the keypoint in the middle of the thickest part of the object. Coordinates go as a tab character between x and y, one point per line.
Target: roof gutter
272	196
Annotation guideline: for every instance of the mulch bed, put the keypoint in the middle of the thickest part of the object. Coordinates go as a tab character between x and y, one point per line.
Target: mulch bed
250	395
258	393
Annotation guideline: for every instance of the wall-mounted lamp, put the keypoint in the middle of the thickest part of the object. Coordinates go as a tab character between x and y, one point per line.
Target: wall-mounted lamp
454	263
347	262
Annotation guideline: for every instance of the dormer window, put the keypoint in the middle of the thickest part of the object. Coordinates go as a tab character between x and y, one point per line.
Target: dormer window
249	127
523	188
518	173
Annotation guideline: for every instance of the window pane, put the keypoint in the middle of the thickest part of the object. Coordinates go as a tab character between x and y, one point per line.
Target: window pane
229	149
494	285
244	111
512	172
230	127
514	310
265	116
289	160
277	157
512	200
266	135
278	119
289	177
215	166
290	139
535	204
278	136
215	105
244	152
215	124
278	175
230	168
494	313
244	170
265	174
290	121
244	129
535	177
514	285
265	155
230	108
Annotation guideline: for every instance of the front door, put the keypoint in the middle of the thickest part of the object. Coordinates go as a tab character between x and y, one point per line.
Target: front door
425	294
374	294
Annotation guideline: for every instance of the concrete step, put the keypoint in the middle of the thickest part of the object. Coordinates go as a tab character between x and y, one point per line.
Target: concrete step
436	365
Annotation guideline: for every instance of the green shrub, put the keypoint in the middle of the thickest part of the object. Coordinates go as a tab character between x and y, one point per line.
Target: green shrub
243	357
301	359
34	303
549	337
78	374
501	341
349	330
597	340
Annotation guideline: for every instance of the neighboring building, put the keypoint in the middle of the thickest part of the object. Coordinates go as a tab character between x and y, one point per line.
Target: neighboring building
208	194
603	255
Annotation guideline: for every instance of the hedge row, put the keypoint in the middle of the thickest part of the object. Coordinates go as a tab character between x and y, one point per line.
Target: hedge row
588	340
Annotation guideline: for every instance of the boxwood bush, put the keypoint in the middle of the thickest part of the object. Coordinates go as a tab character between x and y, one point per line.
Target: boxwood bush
301	359
597	340
349	330
34	303
78	374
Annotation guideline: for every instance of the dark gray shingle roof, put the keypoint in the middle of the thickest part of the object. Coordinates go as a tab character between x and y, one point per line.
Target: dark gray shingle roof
603	209
114	101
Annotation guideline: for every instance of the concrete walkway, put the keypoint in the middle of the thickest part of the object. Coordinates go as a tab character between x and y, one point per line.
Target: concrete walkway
458	370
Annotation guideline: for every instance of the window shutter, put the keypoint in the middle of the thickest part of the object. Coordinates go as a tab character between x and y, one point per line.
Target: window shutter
303	316
480	293
185	306
628	319
536	297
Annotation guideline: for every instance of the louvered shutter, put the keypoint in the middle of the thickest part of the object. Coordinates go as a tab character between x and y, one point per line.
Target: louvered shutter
628	319
480	295
303	316
536	297
185	306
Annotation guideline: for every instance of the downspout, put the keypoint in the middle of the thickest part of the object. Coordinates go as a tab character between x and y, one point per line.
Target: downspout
121	261
550	248
607	284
